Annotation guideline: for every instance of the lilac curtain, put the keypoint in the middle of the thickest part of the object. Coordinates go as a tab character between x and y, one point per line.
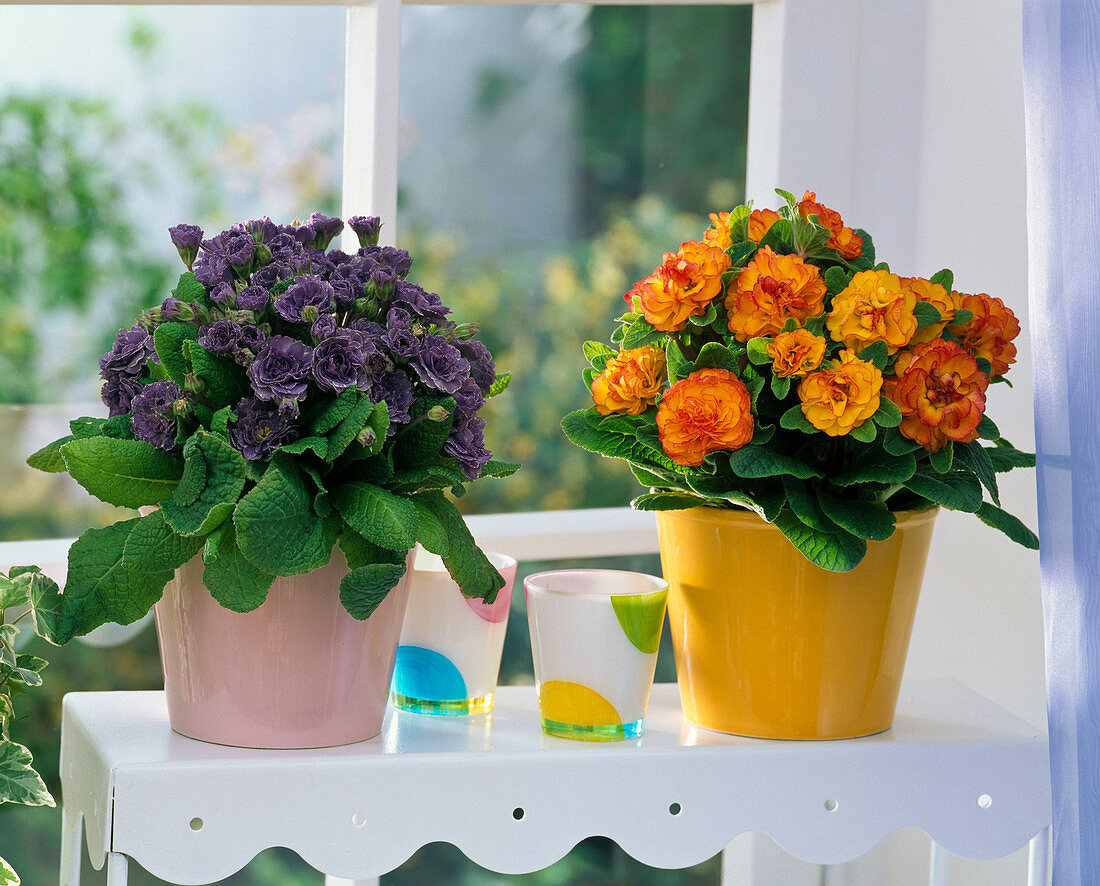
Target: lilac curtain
1062	103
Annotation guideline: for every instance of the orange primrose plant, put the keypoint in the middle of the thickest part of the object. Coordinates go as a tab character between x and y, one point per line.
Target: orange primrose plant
774	365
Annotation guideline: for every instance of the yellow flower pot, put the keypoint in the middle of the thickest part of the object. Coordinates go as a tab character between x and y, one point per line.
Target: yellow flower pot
769	645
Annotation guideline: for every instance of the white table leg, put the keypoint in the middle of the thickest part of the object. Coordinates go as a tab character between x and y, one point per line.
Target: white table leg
1038	859
72	848
340	881
939	862
737	860
118	868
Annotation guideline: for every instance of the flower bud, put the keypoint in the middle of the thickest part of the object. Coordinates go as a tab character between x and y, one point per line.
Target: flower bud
193	383
288	408
437	413
366	228
462	332
310	313
181	406
367	437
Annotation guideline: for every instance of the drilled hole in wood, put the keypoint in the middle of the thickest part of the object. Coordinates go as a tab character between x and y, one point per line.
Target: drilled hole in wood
196	824
985	801
358	819
674	809
518	813
830	805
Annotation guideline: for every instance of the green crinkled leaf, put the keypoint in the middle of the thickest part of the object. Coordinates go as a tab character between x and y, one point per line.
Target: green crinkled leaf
779	237
803	503
665	501
377	470
875	466
49	458
224	381
224	482
706	318
436	476
430	531
360	552
757	350
499	385
378	423
943	278
154	547
219	422
118	426
317	445
169	339
865	432
888	415
193	480
616	422
421	442
876	353
363	589
838	551
100	587
639	334
896	444
629	449
957	490
975	457
594	349
1011	526
229	575
87	426
677	364
188	289
648	477
760	461
836	280
388	520
716	356
324	418
942	459
1005	458
987	430
781	386
926	314
19	783
763	497
499	469
465	561
277	528
126	473
865	519
795	420
762	434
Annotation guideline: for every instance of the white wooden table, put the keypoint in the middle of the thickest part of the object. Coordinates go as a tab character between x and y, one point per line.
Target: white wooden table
963	770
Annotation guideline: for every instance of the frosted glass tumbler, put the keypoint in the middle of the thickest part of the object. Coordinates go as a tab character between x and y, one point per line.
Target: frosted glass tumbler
594	639
449	654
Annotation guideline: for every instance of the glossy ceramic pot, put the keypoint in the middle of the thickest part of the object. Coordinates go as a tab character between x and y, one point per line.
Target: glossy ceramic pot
769	645
298	672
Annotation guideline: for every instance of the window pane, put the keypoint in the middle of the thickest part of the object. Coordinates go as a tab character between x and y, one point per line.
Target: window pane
550	155
122	123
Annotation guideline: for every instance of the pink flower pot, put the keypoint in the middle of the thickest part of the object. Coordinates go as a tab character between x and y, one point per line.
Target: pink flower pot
298	672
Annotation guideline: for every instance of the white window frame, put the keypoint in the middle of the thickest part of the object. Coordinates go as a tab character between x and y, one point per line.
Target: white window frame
893	111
